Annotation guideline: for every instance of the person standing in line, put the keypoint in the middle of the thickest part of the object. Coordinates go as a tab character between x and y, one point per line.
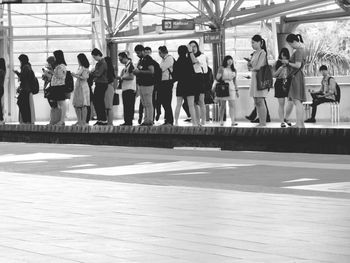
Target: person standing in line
228	73
281	72
81	97
58	85
165	89
128	89
145	79
110	91
24	91
258	60
184	74
2	80
55	112
297	88
200	65
101	85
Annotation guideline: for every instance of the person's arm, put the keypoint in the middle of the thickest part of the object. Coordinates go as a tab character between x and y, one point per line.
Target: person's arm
167	64
236	86
298	60
331	88
219	74
276	73
127	75
261	61
100	69
192	56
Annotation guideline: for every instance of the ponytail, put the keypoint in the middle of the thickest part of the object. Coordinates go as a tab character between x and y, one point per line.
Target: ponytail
300	38
258	38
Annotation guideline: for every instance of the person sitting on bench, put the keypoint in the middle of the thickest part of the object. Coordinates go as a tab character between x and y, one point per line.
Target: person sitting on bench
327	93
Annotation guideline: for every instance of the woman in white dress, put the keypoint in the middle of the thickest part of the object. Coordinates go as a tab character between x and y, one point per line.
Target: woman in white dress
81	99
227	73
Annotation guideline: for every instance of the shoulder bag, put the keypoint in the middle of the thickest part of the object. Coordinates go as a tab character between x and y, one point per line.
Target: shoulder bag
264	76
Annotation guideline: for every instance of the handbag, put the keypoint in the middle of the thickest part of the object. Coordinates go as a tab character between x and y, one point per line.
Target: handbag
116	99
222	89
264	76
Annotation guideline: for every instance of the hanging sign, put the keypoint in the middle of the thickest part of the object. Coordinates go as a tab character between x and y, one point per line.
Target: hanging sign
211	37
178	24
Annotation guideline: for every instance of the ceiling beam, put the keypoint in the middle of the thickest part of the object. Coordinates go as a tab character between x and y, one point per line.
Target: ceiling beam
233	10
274	10
126	21
135	31
317	17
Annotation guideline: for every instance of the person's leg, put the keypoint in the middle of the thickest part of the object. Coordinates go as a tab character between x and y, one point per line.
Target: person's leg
166	99
314	105
156	101
83	115
62	106
252	116
289	109
268	119
110	116
222	111
191	107
281	102
202	109
140	110
147	92
185	107
177	109
1	104
78	113
99	101
261	110
129	105
232	109
24	107
299	113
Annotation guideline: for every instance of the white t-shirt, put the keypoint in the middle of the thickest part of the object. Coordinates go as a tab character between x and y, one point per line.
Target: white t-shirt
128	84
202	66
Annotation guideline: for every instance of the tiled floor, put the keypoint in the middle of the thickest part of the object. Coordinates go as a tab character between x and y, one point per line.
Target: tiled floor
47	216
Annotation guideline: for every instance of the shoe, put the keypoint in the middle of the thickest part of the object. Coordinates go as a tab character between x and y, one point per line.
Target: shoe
100	123
283	125
255	121
188	120
146	124
287	122
60	123
234	124
249	118
310	120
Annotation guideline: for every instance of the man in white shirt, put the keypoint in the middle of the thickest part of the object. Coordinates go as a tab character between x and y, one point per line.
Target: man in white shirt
165	90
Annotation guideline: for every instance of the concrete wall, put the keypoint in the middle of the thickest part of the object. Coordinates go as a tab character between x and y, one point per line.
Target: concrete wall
244	103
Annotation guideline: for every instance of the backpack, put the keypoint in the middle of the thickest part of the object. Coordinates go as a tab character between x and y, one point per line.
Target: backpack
69	83
337	88
157	72
35	85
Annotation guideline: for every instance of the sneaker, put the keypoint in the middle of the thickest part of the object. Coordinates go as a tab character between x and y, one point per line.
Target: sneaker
146	124
234	124
255	121
100	123
310	120
283	125
188	120
287	122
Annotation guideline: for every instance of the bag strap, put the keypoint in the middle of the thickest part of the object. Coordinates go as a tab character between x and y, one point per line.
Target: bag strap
293	74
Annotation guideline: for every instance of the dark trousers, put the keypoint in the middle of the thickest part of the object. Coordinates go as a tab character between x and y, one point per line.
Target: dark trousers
128	105
317	102
1	94
156	105
254	114
24	106
165	96
99	101
185	107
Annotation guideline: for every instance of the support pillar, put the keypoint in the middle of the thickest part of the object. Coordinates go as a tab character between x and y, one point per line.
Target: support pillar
283	31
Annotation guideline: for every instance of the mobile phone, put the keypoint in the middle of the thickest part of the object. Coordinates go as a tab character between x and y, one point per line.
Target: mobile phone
43	69
247	59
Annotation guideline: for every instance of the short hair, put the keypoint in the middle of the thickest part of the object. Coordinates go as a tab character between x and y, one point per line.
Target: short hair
323	67
163	49
139	48
148	49
96	52
292	37
83	60
123	55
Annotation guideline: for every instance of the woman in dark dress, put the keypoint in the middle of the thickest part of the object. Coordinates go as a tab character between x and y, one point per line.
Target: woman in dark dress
184	75
2	80
25	88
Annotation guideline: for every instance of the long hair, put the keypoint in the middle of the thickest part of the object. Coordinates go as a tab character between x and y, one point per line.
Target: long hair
258	38
110	69
51	61
182	51
292	37
198	51
3	64
224	63
59	56
83	60
284	52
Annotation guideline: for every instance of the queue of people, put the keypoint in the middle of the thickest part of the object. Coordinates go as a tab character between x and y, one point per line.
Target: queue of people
154	83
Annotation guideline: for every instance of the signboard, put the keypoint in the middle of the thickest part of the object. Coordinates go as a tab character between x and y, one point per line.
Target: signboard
178	24
212	37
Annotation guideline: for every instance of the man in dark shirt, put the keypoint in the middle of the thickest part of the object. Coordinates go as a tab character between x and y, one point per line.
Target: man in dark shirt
101	85
145	80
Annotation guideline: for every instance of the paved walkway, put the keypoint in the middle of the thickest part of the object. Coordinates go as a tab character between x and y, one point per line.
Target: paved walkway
133	208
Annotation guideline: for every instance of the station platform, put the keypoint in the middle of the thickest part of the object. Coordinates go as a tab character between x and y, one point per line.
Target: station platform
315	138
